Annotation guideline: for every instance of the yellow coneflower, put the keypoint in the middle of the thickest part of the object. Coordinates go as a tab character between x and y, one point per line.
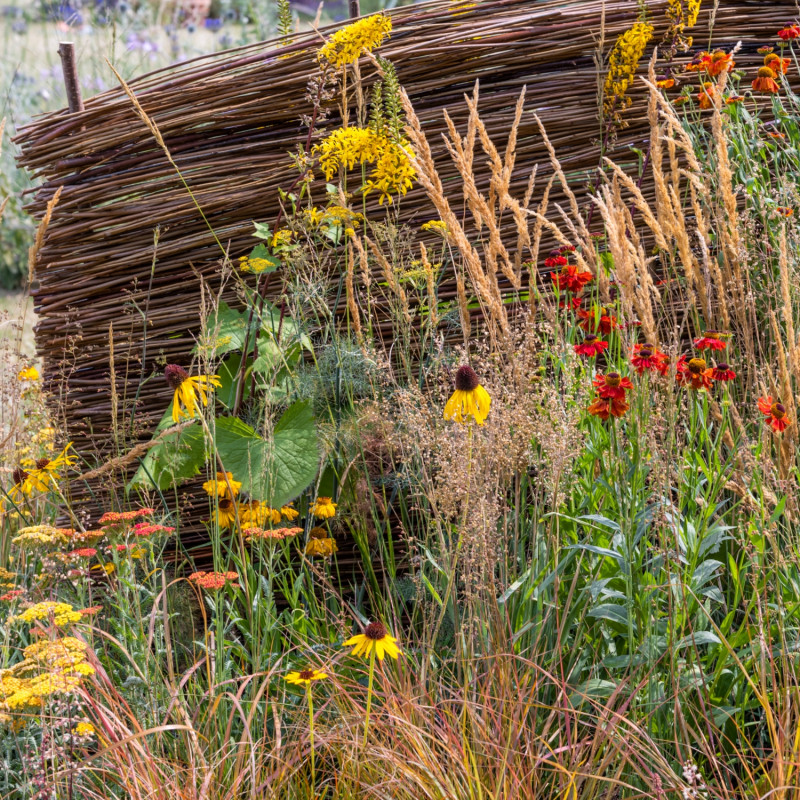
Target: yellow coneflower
257	515
290	512
189	389
219	486
28	374
305	676
469	399
321	547
45	474
323	508
375	637
226	513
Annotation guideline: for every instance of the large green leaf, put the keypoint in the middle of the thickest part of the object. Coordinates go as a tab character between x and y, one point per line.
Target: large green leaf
273	470
176	458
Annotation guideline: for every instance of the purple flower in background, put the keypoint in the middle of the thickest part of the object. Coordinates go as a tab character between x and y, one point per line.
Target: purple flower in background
213	24
140	42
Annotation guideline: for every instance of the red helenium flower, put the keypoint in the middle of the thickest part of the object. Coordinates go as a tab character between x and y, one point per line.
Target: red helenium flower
555	261
608	408
648	358
591	346
603	321
710	341
570	280
774	413
723	372
789	32
694	373
612	386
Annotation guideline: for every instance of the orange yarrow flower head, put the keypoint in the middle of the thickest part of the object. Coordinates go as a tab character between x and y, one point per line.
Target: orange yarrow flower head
648	358
774	413
765	81
213	581
591	346
189	390
694	373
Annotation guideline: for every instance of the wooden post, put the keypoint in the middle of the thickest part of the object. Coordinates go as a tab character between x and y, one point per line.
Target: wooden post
355	10
70	68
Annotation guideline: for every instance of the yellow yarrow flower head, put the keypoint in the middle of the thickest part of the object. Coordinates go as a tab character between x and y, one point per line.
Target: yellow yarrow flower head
323	508
305	676
281	240
375	637
28	374
255	266
435	226
60	613
40	537
83	729
219	486
469	399
188	390
347	44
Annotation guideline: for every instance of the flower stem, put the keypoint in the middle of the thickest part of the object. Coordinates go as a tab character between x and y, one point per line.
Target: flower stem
311	737
369	692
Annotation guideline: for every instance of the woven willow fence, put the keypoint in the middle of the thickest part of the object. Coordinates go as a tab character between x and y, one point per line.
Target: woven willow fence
229	121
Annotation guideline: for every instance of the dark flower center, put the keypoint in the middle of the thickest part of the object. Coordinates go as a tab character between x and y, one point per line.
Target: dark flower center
466	379
723	366
306	674
765	72
778	410
42	463
225	504
375	630
590	338
175	375
19	475
613	379
696	366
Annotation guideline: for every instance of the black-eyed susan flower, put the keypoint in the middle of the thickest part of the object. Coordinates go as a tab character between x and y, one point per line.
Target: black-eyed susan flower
226	512
591	346
469	399
46	473
190	390
775	414
218	487
305	676
375	637
765	81
323	508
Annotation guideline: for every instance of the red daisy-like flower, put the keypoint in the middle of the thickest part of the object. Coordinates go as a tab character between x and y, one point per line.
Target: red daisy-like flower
700	62
597	320
711	340
789	32
569	279
774	413
591	346
605	408
555	261
648	358
723	372
694	373
720	62
569	302
780	66
612	386
765	81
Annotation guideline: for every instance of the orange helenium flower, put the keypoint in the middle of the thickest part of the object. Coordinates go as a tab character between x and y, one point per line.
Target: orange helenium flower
720	62
706	96
694	373
774	414
765	81
608	408
570	280
780	66
711	340
597	319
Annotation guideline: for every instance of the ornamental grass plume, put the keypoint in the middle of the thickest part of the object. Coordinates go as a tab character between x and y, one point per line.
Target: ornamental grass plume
469	400
189	390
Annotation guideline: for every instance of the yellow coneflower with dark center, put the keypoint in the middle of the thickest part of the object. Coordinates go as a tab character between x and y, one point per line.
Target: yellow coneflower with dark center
219	486
226	512
45	474
304	676
469	399
375	637
189	389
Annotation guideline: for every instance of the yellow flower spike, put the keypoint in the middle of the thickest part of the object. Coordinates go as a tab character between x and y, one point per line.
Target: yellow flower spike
376	637
323	508
469	399
305	677
347	44
219	486
190	390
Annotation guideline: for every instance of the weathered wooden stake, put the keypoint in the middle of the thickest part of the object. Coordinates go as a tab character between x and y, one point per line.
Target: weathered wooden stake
69	66
355	10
